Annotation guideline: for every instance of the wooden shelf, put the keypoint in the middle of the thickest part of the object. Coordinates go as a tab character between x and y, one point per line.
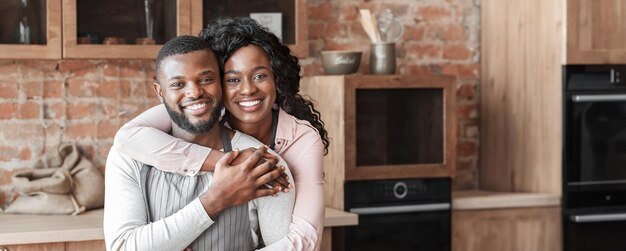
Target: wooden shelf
480	199
52	48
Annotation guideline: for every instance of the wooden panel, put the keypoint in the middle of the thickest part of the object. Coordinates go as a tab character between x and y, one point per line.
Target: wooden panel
71	48
52	49
328	94
595	31
507	229
58	246
299	49
327	243
521	104
85	245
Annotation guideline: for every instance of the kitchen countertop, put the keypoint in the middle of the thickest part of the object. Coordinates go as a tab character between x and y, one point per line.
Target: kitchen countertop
27	229
480	199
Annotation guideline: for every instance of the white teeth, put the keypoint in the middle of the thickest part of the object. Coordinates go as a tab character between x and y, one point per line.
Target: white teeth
196	106
249	103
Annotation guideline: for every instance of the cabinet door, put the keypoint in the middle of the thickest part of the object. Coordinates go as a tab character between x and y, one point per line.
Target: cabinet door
120	29
506	229
85	245
57	246
596	31
293	16
30	29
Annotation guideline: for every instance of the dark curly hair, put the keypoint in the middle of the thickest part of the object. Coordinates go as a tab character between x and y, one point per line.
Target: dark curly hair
229	34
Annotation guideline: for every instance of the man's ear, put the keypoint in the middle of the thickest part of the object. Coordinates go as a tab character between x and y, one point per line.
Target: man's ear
157	90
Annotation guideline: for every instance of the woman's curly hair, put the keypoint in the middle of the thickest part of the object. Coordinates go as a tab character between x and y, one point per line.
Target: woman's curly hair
228	35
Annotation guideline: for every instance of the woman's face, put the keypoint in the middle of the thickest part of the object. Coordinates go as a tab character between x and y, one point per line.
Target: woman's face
249	88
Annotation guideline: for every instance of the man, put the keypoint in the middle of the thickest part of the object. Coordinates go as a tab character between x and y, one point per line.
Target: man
149	209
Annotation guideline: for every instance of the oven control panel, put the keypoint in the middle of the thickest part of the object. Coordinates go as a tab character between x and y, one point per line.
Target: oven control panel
400	191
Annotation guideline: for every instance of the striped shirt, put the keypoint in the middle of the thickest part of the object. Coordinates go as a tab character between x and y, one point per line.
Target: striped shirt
163	211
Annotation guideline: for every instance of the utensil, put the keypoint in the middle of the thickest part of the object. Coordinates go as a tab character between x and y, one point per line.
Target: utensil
390	27
368	23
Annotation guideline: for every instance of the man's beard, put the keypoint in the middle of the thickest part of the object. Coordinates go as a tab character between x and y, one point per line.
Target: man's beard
203	126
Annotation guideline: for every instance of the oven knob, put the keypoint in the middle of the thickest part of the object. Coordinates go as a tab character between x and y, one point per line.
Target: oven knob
400	190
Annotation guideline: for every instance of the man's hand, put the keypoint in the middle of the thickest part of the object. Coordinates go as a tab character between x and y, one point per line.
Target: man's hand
237	184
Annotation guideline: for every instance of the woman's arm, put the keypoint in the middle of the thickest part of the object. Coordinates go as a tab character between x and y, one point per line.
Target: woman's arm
146	139
304	158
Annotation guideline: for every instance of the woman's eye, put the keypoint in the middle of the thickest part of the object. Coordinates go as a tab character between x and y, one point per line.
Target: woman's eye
259	76
232	80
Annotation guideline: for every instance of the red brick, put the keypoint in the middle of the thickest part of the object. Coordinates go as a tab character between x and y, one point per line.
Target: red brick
7	153
414	33
107	129
29	110
466	164
454	32
109	110
421	70
52	89
425	51
456	52
464	181
108	89
7	110
8	89
124	88
466	148
111	69
32	89
466	92
312	70
398	9
460	70
8	68
316	30
321	11
132	71
348	12
25	154
81	130
468	111
73	66
432	13
81	88
80	110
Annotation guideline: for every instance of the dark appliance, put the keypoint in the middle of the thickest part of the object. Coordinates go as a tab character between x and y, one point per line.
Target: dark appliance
594	158
402	214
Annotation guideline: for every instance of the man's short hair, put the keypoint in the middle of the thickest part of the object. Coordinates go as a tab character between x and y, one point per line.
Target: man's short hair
178	46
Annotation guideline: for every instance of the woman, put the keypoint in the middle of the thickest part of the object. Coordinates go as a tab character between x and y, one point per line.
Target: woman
259	74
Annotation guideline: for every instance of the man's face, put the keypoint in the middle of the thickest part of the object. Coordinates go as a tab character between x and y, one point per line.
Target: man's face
190	87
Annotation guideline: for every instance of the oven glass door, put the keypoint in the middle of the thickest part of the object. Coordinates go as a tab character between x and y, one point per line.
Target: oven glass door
598	132
404	231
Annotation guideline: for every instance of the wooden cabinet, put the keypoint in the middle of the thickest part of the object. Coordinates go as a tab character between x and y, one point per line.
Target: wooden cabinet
384	127
596	31
514	229
50	26
78	28
121	19
294	17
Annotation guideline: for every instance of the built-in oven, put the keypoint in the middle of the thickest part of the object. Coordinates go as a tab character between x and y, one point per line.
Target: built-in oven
594	163
402	214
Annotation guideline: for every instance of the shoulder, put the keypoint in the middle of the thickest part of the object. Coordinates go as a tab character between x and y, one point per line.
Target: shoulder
244	141
120	164
298	131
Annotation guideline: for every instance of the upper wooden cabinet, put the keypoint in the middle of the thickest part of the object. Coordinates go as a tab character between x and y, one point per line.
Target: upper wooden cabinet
293	17
30	29
120	28
596	31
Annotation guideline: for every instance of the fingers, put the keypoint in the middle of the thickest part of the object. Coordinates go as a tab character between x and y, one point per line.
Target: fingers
282	180
267	191
227	158
255	157
269	176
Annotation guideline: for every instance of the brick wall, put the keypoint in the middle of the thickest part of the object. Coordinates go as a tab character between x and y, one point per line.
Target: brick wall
44	103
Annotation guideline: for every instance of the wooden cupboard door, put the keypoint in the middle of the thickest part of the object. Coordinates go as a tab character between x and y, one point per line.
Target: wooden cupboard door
596	31
85	245
58	246
516	229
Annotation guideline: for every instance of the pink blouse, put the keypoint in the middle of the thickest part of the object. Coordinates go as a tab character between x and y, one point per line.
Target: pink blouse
297	142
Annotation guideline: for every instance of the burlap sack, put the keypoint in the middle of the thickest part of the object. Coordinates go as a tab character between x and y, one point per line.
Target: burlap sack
69	183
